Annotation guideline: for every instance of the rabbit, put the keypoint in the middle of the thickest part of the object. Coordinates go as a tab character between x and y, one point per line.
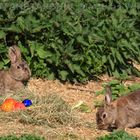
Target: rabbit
119	114
19	71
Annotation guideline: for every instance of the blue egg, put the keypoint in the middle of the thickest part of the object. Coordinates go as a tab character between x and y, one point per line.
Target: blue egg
27	102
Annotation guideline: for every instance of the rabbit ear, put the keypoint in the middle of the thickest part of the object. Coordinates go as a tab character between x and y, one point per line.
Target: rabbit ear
14	54
108	95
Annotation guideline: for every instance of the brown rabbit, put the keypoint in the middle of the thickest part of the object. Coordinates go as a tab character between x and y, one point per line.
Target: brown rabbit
18	72
121	113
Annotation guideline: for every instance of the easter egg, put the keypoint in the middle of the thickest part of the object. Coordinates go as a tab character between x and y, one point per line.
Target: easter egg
27	102
11	100
8	105
19	105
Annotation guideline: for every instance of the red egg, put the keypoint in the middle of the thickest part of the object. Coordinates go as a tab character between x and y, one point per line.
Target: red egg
8	105
19	106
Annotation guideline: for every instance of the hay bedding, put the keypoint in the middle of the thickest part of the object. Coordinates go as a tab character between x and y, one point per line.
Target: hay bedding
51	114
48	110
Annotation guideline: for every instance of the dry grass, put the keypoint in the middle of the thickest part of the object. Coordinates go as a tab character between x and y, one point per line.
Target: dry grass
52	114
49	114
49	110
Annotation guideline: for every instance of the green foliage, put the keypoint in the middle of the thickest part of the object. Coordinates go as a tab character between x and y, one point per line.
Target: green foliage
83	107
23	137
73	40
98	104
119	89
118	135
3	59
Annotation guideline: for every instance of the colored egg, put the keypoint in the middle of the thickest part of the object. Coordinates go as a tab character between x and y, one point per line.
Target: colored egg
19	105
27	102
11	100
8	105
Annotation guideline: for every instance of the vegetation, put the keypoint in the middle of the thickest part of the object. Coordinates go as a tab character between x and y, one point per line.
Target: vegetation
23	137
72	40
118	135
119	89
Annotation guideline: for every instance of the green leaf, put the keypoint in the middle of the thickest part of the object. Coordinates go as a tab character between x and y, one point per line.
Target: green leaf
118	135
13	28
1	65
70	66
84	108
6	61
51	76
114	82
78	69
111	63
2	34
114	21
21	23
63	75
119	57
41	53
81	40
39	48
134	87
104	58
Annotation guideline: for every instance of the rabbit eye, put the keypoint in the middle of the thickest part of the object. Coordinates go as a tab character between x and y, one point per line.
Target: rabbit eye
18	67
104	115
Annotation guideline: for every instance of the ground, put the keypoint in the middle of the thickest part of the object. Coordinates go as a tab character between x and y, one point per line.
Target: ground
73	95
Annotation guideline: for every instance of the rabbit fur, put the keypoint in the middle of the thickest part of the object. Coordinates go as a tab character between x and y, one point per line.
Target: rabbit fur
120	114
19	71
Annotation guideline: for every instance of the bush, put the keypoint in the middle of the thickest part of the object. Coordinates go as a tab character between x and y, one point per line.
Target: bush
73	40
